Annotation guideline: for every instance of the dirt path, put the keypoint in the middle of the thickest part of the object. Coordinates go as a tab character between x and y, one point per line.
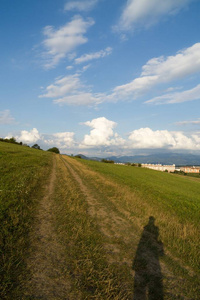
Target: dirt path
47	280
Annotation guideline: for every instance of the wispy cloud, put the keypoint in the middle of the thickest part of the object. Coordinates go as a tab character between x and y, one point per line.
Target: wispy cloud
162	70
178	97
194	122
63	41
84	5
94	55
6	117
62	86
145	13
70	90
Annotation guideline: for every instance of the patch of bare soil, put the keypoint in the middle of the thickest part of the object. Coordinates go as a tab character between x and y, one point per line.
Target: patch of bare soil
47	279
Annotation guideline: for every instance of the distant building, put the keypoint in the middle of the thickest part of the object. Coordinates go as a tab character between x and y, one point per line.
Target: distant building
189	169
159	167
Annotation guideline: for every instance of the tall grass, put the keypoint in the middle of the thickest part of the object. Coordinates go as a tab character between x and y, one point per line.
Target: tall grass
23	173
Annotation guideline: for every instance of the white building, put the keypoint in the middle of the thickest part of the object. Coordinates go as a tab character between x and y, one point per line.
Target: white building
159	167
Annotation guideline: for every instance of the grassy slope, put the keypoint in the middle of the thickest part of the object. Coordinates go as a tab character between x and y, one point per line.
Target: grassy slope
179	195
23	174
174	201
91	232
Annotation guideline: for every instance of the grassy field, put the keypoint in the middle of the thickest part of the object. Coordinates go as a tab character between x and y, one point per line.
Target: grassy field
104	231
174	200
23	174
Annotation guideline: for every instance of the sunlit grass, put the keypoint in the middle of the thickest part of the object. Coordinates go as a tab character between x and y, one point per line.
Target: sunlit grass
23	171
138	193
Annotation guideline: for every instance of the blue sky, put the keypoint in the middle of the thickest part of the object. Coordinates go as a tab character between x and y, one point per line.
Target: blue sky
101	77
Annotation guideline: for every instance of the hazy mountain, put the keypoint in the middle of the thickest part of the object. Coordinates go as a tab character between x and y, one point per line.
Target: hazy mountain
160	158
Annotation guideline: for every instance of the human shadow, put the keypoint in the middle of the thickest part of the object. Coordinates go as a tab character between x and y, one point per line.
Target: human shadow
148	283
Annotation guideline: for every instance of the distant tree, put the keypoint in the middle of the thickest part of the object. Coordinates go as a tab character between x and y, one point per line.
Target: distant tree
12	140
78	156
36	146
54	149
107	161
139	165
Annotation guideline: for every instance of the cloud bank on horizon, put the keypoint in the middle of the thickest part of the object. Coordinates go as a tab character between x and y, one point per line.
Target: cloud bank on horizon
102	136
101	61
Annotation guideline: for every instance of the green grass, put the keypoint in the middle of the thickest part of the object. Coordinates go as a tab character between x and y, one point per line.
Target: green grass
100	236
134	194
23	171
172	199
176	194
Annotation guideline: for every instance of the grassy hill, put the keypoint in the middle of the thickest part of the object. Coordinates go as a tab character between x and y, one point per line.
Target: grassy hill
24	172
95	230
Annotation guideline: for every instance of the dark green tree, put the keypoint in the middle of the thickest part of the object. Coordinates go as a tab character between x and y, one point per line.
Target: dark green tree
36	146
54	149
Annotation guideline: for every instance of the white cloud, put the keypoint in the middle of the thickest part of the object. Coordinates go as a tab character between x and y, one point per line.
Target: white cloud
194	122
31	136
69	67
146	138
83	5
86	67
62	140
71	91
6	117
80	98
95	55
63	86
144	13
161	70
59	43
102	134
178	97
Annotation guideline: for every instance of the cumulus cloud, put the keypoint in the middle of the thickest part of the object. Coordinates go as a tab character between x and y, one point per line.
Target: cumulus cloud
70	90
62	140
31	136
146	138
178	97
102	134
83	5
6	117
63	41
144	13
161	70
95	55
